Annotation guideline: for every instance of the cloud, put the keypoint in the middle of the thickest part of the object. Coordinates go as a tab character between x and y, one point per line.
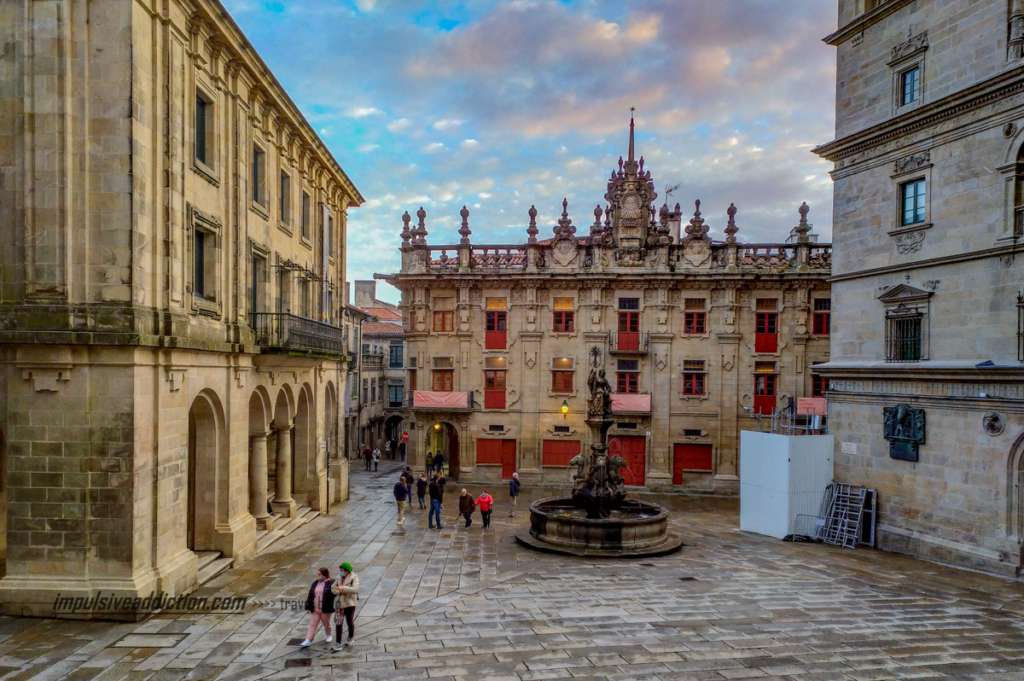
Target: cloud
401	125
432	147
447	124
469	144
363	112
364	148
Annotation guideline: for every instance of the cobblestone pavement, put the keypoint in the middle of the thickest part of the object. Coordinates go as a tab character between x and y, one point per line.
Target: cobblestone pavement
460	604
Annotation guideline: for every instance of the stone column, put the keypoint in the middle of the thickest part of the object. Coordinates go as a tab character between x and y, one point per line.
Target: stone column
258	483
283	502
659	468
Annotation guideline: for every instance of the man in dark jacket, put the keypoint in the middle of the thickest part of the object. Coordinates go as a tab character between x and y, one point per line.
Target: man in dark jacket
466	506
421	490
436	497
513	494
367	456
439	463
401	497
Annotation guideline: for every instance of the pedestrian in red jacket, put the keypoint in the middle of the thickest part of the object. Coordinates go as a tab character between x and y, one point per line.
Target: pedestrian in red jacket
485	501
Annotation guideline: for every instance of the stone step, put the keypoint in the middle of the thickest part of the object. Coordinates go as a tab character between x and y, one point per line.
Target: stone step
284	526
207	557
213	568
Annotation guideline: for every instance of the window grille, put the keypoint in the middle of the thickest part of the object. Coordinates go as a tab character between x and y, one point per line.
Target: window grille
691	432
626	426
629	303
496	428
561	429
903	335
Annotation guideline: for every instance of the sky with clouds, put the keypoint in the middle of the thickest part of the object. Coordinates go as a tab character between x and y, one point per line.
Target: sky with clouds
506	104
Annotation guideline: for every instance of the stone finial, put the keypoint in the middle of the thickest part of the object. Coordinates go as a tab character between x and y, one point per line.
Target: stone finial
406	234
595	229
532	230
802	228
420	233
696	229
663	213
730	227
565	226
464	229
608	219
641	165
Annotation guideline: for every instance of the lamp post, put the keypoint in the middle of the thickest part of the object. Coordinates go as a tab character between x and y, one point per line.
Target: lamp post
565	409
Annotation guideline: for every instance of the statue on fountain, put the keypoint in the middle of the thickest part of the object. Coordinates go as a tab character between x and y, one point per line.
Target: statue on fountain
597	485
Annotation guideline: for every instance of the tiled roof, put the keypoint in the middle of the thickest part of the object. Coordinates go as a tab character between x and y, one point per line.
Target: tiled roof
384	313
382	329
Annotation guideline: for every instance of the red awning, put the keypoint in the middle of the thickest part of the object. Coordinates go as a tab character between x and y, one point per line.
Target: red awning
627	402
438	399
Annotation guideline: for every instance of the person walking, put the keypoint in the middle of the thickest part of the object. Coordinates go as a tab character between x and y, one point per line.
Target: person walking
485	501
430	463
367	456
401	498
347	589
421	490
320	606
466	507
513	494
376	458
436	492
439	463
401	450
387	449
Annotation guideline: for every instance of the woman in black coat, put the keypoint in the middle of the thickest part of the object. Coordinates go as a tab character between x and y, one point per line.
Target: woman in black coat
320	606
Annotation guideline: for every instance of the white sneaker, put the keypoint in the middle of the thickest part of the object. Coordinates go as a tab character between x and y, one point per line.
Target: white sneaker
348	641
305	643
336	647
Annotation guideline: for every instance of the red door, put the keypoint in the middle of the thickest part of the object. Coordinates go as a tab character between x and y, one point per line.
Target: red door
629	331
690	458
764	393
494	338
766	332
494	390
494	450
633	450
508	459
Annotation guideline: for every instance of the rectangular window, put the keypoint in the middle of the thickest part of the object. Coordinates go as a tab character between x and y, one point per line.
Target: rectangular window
822	316
285	202
412	379
695	322
627	378
443	380
766	330
903	336
819	385
913	200
373	390
694	376
563	317
910	86
330	236
259	176
496	304
494	383
259	278
495	336
199	288
395	395
562	374
366	390
306	208
629	303
204	126
444	314
395	353
444	363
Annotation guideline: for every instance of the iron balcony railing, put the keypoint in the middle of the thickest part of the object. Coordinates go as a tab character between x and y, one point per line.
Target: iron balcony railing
291	332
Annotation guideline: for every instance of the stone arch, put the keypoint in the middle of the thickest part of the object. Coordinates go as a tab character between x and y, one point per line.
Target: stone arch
284	409
331	419
445	437
259	430
304	448
207	472
1015	490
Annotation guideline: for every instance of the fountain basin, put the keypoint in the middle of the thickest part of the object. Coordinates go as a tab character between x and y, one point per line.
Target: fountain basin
637	528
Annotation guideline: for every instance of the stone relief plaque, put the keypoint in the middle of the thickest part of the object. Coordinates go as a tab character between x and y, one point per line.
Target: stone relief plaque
904	429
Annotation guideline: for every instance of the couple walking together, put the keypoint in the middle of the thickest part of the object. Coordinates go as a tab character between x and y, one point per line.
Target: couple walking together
335	600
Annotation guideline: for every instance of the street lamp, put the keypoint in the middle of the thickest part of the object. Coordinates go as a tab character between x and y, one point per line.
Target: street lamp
437	426
565	409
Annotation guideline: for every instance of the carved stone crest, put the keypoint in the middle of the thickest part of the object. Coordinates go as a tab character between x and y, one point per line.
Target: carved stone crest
912	162
630	257
909	243
909	46
904	429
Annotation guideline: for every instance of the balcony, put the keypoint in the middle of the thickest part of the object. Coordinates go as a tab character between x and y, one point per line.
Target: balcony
283	331
628	342
437	400
373	360
631	403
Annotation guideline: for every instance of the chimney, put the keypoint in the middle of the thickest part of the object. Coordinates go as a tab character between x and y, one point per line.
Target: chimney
366	293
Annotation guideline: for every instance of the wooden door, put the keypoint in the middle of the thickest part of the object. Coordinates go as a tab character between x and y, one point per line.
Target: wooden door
764	393
766	332
695	458
629	331
508	459
494	337
633	450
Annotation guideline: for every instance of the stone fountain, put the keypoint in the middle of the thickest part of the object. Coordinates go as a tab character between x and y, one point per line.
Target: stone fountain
598	519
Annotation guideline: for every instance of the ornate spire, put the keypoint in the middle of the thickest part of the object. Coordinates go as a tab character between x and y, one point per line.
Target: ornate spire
595	229
802	229
464	230
565	226
420	233
406	234
532	230
696	229
631	110
730	227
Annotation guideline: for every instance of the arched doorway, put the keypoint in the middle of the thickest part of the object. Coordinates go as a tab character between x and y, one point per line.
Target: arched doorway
444	437
207	461
1015	497
393	433
304	473
259	430
280	488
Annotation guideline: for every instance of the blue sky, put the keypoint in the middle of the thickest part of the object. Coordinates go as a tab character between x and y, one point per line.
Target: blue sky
502	105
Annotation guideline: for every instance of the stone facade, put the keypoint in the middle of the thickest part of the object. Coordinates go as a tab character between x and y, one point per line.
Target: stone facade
929	198
172	235
383	356
501	339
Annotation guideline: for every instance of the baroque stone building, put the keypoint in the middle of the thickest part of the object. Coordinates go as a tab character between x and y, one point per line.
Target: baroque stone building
691	332
173	254
927	381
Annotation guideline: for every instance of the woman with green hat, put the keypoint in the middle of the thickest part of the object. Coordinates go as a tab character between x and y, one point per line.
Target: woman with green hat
347	588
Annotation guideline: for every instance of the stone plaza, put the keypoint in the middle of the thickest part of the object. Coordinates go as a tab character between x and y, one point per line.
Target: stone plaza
460	604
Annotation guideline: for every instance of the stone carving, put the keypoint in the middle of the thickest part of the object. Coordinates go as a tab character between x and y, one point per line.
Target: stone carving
630	257
912	162
904	429
910	45
909	243
1009	130
600	403
993	423
1015	45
